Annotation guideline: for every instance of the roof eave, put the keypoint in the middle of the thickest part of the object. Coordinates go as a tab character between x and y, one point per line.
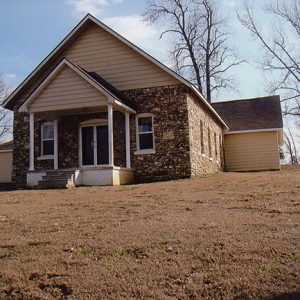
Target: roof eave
226	128
65	62
89	17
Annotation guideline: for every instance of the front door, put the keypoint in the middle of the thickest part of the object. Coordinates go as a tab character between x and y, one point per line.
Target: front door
94	145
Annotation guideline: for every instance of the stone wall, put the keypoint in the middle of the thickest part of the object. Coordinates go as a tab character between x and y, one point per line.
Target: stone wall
177	115
67	143
201	160
171	159
20	148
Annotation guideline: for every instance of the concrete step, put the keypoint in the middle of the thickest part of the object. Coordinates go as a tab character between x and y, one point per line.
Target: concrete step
53	184
57	180
56	176
60	173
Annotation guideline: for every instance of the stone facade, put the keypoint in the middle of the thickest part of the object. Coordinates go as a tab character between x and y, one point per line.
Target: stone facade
206	156
20	148
68	138
176	116
171	159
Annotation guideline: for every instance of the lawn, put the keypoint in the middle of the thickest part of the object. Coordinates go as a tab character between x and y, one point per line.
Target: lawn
221	236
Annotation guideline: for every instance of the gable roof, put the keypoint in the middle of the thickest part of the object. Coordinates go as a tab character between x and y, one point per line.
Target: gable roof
99	83
251	114
114	91
8	103
7	146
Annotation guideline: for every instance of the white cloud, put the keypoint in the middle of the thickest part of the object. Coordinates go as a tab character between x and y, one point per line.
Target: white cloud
141	33
93	7
230	2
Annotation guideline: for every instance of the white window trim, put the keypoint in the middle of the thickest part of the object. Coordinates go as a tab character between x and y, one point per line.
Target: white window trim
44	157
138	150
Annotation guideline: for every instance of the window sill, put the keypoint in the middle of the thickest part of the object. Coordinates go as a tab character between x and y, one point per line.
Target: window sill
148	151
45	157
203	155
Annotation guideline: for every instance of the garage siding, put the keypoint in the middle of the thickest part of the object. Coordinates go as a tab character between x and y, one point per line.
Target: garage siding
252	151
5	166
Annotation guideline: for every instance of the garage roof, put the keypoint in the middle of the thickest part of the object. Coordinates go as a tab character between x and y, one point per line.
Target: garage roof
6	146
251	114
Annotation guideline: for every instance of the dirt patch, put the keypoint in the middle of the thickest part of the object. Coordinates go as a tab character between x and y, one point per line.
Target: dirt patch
223	236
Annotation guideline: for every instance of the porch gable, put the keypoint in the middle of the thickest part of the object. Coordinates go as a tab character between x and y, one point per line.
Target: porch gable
66	87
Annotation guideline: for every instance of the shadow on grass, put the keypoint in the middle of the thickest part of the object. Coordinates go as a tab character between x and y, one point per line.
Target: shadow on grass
285	296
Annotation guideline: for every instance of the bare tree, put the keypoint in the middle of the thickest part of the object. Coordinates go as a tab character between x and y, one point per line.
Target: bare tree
290	146
5	115
200	50
281	44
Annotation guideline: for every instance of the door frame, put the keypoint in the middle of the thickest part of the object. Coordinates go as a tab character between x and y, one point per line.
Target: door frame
90	123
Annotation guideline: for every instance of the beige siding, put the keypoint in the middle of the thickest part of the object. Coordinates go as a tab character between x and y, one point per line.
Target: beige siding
252	151
99	51
68	91
5	166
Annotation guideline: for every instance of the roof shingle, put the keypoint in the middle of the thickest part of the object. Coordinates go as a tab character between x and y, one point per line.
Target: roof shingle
251	114
6	146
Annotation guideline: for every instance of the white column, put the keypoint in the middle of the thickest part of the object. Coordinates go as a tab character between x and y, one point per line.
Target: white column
127	131
31	142
110	135
55	123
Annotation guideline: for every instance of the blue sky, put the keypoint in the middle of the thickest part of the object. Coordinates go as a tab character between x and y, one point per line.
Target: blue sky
30	29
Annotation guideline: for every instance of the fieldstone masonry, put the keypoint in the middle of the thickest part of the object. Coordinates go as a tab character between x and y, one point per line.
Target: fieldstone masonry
171	133
177	114
201	161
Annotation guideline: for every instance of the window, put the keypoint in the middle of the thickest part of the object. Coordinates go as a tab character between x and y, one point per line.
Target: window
221	146
216	147
202	138
209	142
145	132
47	138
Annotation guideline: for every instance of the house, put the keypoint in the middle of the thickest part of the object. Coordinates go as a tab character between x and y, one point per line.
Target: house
255	133
100	111
6	150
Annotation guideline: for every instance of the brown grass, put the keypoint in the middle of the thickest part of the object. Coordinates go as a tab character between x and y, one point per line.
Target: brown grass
224	236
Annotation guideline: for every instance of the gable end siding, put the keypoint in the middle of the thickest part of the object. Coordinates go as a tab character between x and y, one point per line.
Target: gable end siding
67	91
97	50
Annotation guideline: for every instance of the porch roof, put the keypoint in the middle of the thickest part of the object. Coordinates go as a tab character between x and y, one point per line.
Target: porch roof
118	94
113	95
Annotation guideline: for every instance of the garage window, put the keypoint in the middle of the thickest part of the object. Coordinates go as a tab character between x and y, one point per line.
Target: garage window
47	139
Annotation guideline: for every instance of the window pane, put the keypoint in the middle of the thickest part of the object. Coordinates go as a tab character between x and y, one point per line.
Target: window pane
146	141
145	124
48	147
87	146
102	145
48	131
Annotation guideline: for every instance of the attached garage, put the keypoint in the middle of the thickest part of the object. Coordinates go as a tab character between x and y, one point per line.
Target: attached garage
255	133
252	151
6	151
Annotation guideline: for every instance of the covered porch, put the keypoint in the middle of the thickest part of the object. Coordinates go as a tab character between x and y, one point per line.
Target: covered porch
79	131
